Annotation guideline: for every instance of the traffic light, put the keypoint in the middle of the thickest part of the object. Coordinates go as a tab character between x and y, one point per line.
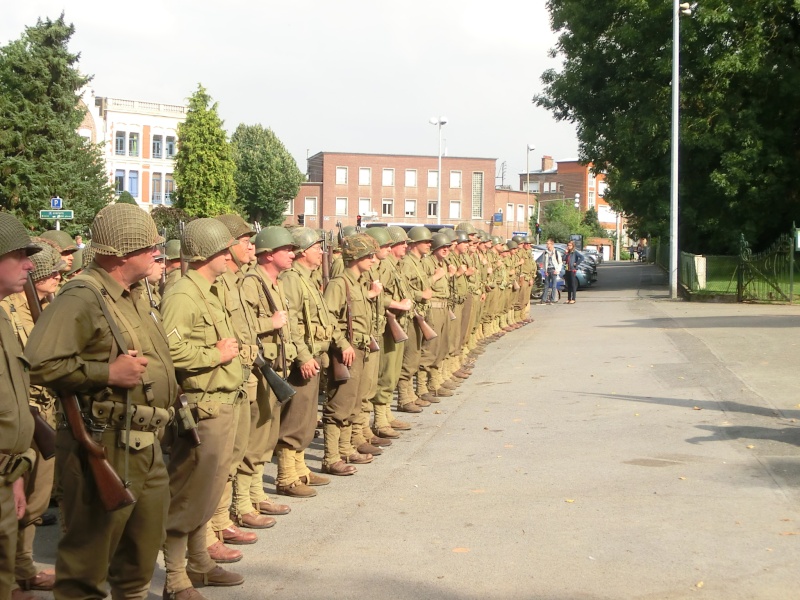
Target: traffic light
358	221
538	229
301	220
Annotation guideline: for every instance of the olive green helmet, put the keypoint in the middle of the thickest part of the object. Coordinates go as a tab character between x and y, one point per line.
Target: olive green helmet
358	246
271	238
13	236
236	225
420	233
62	239
496	239
203	238
119	229
466	227
450	233
46	262
439	240
380	235
462	236
512	245
398	234
172	249
305	237
519	239
349	230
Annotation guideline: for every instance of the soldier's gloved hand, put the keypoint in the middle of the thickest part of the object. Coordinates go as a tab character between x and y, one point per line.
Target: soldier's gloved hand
228	350
309	369
279	319
348	356
126	370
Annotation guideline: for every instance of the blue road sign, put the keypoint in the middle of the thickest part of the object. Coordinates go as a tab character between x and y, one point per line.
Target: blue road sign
56	203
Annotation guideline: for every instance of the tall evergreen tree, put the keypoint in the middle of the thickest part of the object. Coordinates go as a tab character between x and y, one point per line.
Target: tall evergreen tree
41	153
204	166
267	176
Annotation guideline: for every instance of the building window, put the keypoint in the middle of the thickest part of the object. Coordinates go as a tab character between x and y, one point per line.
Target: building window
133	144
310	205
601	188
170	147
341	175
341	206
455	180
477	195
119	143
289	208
531	213
455	209
433	179
592	179
591	199
411	206
534	187
119	181
169	187
133	183
433	208
157	141
388	178
509	213
411	178
387	207
364	206
156	197
520	213
364	176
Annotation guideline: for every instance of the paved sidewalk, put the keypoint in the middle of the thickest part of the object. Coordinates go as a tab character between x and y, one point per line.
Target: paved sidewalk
623	447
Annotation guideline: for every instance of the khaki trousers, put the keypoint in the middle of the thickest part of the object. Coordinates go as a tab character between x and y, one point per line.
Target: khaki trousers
8	539
390	366
412	352
342	407
120	547
197	478
298	421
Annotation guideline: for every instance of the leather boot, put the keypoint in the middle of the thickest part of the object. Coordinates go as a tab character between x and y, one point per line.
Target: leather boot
220	553
215	577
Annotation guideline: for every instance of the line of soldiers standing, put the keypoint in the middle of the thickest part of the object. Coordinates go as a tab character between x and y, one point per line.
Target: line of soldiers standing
252	312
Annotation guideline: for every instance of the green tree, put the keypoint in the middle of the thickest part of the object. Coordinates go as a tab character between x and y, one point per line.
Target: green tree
740	121
41	153
204	167
126	198
267	176
560	220
592	223
168	219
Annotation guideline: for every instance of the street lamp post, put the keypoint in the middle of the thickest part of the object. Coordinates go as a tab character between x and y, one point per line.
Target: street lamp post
439	121
577	201
677	11
531	148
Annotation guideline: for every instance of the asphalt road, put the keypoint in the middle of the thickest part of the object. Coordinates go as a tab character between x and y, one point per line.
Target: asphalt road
626	446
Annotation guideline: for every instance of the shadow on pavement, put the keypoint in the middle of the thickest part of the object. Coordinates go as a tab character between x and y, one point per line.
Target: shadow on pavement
786	435
755	322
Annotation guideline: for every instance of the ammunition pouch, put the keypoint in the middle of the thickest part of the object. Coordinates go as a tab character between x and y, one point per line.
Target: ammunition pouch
112	415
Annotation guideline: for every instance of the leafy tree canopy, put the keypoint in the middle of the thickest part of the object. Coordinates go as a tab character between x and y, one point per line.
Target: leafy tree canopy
126	198
561	219
204	166
168	219
41	153
267	176
740	121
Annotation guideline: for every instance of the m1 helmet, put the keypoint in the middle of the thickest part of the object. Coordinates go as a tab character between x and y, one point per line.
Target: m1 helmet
439	240
304	238
380	235
271	238
420	233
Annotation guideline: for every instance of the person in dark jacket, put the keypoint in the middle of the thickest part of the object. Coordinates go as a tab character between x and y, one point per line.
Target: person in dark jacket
571	261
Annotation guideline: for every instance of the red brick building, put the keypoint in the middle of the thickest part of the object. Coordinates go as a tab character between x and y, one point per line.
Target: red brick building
394	188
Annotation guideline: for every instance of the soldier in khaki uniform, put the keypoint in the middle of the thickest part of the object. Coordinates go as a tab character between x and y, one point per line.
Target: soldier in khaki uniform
206	357
274	248
429	376
73	349
313	330
153	280
39	481
16	423
172	263
65	243
221	527
350	306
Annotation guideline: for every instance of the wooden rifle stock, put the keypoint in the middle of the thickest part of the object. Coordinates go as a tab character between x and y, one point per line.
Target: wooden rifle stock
43	434
427	331
110	488
340	370
327	258
374	346
280	387
398	333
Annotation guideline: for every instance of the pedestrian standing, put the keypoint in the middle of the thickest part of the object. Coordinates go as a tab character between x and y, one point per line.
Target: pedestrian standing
552	268
571	261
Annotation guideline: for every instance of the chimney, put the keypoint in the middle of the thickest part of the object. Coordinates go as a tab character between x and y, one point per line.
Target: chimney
547	163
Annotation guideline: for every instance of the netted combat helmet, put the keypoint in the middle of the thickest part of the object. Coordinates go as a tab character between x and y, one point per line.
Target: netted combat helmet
466	227
380	235
420	233
62	240
358	246
46	262
13	236
172	249
438	240
119	229
271	238
305	237
203	238
236	225
398	234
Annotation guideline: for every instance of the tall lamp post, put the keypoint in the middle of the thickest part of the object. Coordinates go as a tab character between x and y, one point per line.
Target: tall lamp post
531	148
677	11
439	121
577	201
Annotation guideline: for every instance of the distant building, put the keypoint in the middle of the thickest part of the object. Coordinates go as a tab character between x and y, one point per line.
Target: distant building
396	188
140	140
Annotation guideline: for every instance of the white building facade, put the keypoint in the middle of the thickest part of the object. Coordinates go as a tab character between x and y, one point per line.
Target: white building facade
140	141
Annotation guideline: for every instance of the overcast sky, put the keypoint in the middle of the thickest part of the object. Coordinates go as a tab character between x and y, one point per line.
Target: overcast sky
341	76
